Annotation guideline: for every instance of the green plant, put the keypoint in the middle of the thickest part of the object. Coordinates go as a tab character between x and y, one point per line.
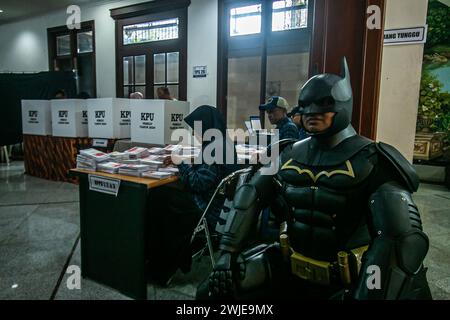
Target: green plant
430	102
438	20
442	122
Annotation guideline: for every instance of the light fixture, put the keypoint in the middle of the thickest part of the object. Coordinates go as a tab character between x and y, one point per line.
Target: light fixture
1	10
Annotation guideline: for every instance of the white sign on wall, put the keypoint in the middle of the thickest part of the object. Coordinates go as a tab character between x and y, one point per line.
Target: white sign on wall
200	71
405	36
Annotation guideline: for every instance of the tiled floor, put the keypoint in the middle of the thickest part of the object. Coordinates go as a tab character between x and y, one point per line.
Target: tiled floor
39	236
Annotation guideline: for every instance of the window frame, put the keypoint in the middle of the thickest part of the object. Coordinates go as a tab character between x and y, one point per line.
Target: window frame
263	44
54	32
147	12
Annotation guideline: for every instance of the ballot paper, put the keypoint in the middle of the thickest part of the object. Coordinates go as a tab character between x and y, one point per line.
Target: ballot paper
118	156
109	167
86	167
85	160
156	150
133	169
95	154
137	152
131	161
157	175
153	161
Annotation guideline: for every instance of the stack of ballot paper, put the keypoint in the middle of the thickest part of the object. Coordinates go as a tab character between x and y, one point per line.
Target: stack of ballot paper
137	153
133	169
89	158
157	175
94	154
131	161
154	161
156	150
118	156
109	167
85	163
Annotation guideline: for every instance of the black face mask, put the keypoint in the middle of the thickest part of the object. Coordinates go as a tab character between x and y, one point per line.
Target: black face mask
329	93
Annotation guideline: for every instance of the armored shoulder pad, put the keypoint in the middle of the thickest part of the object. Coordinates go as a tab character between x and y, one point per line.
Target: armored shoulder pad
401	165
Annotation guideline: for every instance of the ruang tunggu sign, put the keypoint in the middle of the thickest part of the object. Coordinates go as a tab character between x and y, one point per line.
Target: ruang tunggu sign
405	36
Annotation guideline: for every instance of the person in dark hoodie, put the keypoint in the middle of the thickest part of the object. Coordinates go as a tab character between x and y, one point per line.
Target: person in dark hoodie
179	209
202	179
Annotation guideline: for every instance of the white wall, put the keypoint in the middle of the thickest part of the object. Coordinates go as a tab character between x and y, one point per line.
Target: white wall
400	78
202	51
24	46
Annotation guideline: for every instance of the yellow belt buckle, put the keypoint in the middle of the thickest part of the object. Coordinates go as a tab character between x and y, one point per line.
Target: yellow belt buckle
310	269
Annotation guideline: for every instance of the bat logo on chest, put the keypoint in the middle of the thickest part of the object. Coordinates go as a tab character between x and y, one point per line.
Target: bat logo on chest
347	172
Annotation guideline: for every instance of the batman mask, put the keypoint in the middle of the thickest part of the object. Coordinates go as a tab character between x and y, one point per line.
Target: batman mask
329	93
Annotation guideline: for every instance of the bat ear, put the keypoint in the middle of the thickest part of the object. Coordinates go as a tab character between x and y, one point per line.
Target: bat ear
342	90
345	73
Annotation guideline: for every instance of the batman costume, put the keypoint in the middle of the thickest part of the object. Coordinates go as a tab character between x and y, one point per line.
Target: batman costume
349	228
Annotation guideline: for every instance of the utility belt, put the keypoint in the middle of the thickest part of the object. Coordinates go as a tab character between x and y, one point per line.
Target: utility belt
344	270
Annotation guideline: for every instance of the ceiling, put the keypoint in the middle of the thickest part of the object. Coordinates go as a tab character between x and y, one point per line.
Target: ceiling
14	10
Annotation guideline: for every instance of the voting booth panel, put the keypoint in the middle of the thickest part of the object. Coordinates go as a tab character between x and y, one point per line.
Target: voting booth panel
154	121
36	117
109	118
69	118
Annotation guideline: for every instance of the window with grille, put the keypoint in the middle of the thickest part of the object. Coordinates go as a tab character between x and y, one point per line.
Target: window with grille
289	14
151	31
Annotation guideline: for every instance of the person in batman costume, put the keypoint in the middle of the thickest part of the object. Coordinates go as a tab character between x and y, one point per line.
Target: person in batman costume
349	228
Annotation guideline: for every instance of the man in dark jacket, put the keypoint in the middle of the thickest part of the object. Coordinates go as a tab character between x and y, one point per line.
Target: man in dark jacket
276	109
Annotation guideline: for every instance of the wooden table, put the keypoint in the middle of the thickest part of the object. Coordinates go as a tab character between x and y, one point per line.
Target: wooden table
113	227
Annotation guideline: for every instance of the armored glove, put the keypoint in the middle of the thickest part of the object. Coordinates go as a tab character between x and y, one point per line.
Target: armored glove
225	277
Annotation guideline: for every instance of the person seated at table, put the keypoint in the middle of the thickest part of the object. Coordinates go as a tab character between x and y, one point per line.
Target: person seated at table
136	95
276	108
164	93
60	94
179	209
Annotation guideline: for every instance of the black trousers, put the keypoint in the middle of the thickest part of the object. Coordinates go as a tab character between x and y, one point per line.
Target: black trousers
174	215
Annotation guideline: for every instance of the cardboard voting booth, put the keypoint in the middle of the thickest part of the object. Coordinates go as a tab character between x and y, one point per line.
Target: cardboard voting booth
153	121
69	118
36	117
109	118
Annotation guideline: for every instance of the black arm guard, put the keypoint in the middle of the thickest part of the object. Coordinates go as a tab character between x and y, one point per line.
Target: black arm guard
398	248
241	221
